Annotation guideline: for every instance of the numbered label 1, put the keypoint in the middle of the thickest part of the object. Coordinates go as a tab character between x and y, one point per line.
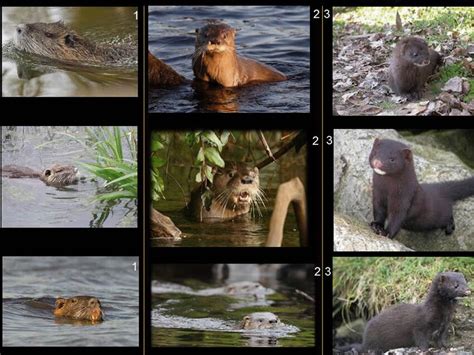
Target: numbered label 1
134	266
136	15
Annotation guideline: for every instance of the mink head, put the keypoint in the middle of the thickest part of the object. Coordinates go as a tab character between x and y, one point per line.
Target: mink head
452	285
415	50
389	157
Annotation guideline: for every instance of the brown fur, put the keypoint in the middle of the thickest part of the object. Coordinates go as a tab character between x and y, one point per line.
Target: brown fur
79	307
234	190
55	175
411	64
58	41
161	74
215	59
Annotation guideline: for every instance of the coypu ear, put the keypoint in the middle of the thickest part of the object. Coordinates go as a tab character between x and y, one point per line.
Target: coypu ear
70	40
47	172
60	302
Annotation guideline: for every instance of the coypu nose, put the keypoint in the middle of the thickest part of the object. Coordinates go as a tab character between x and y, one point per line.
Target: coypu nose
246	180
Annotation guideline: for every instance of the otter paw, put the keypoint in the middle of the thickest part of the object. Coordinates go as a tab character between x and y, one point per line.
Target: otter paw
379	229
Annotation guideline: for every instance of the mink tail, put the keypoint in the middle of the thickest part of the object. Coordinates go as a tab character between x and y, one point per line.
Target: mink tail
457	190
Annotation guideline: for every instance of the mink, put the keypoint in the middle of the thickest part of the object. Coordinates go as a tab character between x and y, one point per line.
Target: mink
408	325
411	64
399	201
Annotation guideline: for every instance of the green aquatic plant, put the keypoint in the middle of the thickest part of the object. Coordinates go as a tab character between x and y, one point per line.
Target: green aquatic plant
119	171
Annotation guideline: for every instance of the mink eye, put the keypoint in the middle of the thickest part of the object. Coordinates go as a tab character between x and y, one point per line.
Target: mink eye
456	286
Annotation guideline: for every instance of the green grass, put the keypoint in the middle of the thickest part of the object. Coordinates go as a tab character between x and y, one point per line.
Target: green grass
437	23
363	286
119	172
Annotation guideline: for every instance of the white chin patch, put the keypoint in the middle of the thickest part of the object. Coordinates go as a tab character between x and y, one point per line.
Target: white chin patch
380	172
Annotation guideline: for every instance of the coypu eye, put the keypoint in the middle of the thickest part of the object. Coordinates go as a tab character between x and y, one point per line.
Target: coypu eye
74	300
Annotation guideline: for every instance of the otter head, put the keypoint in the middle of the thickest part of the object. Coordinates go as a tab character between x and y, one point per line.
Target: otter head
260	320
215	38
60	175
415	50
79	307
236	187
53	40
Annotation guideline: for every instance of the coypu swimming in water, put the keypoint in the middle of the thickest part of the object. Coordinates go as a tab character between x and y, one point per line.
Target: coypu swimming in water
57	41
260	320
235	189
56	175
216	60
79	307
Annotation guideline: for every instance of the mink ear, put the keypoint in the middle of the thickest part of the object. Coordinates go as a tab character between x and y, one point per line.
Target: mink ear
376	141
407	154
442	278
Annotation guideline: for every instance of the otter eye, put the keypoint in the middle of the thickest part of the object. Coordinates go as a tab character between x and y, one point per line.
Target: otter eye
74	300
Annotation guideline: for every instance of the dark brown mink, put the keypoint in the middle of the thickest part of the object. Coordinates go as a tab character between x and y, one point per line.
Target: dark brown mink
399	201
408	325
411	64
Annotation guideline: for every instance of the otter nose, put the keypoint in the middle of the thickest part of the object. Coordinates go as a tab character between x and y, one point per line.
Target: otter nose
216	41
246	180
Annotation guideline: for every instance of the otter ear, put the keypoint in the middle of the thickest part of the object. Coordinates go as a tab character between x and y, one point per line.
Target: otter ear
197	30
60	302
407	154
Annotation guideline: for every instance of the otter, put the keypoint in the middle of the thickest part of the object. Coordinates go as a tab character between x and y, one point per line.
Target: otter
215	59
57	175
260	320
57	41
161	74
235	189
79	307
411	64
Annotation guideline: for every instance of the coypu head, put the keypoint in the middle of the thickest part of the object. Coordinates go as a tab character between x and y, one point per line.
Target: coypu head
60	175
414	50
260	320
53	40
237	187
79	307
215	38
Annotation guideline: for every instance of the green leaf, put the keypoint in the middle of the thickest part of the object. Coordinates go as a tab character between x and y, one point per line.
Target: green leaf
214	157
